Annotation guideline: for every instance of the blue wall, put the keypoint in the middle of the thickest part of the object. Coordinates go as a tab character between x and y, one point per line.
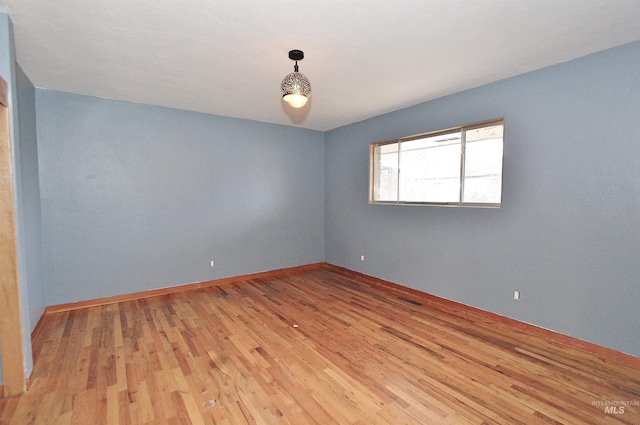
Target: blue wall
30	187
136	197
568	233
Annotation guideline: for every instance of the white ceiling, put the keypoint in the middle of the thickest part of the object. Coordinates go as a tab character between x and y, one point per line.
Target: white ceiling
363	57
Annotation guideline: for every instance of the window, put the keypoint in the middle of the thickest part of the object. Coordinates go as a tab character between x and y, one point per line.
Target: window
460	166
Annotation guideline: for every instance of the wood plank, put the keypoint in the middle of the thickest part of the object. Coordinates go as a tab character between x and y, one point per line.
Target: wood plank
565	340
178	288
14	379
230	354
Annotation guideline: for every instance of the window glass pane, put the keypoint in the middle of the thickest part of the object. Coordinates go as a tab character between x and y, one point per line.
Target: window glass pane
483	165
430	169
436	167
385	172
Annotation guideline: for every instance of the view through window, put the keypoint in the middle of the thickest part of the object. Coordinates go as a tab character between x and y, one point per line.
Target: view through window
460	166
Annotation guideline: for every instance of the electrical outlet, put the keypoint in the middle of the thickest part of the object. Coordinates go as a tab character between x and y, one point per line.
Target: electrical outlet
213	263
516	295
362	258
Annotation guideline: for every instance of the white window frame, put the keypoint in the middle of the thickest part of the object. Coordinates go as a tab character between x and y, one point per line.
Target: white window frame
462	129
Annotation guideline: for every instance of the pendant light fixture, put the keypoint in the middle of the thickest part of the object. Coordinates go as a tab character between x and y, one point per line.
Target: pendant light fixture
295	87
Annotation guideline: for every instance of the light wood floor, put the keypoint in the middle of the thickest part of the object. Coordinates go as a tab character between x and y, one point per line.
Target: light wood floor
232	354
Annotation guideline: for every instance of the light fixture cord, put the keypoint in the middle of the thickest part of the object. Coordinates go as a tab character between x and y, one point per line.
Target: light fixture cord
295	67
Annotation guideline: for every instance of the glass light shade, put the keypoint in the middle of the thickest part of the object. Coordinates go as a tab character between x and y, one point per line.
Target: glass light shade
295	89
295	100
